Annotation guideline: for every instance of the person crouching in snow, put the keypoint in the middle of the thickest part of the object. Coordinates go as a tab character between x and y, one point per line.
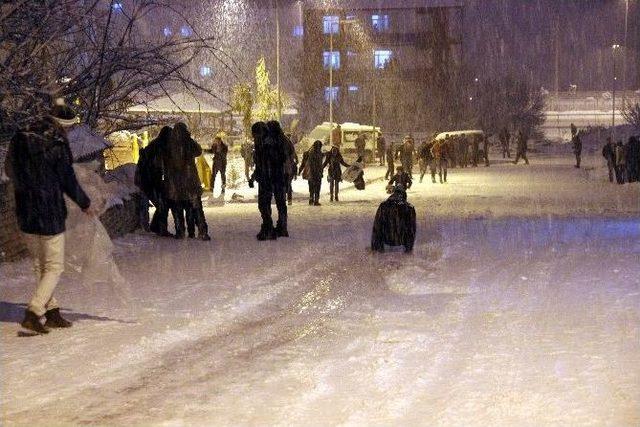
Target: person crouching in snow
395	223
401	178
355	173
39	163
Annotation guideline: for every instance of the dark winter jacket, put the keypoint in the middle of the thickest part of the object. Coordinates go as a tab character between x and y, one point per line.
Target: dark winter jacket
381	144
39	163
403	179
220	150
609	153
395	223
269	157
334	159
149	169
424	152
405	153
577	145
360	145
311	167
390	155
181	181
290	158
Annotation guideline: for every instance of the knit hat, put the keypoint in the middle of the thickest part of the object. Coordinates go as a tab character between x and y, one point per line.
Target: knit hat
63	114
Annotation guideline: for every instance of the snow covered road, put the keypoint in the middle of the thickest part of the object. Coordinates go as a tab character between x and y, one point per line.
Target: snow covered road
519	306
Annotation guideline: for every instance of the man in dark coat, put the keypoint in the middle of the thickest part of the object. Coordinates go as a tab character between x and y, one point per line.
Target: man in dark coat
475	150
440	153
290	167
505	139
521	148
311	169
577	148
149	173
182	186
39	163
405	154
400	179
608	152
220	151
425	160
390	155
360	145
381	147
395	223
334	159
246	151
633	159
485	149
269	159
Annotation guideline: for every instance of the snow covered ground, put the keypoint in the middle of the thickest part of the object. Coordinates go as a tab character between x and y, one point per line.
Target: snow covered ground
519	306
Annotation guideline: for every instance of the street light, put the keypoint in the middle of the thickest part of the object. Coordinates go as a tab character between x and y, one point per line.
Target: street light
614	48
278	60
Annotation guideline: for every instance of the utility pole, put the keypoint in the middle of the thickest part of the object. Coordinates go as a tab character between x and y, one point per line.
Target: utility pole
331	84
624	57
278	61
614	48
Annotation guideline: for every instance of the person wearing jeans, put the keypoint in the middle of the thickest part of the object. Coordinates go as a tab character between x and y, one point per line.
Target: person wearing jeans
39	163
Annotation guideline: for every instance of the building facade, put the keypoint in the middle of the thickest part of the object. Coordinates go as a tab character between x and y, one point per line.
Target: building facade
388	63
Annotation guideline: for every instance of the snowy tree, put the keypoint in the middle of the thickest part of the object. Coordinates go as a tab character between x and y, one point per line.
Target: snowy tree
102	56
242	103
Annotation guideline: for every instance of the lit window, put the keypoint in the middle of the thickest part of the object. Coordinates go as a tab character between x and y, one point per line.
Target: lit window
331	24
331	93
331	59
381	58
380	22
353	88
185	31
117	6
298	31
205	71
167	31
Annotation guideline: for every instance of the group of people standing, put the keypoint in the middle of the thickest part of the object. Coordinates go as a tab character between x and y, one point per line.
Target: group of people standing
167	175
623	160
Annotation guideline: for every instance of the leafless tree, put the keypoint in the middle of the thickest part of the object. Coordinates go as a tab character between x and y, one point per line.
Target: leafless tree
101	55
631	113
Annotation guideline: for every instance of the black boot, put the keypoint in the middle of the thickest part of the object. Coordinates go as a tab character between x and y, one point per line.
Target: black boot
55	320
32	322
281	231
267	233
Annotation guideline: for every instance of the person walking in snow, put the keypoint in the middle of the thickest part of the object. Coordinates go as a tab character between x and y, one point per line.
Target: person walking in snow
401	179
269	174
440	152
381	148
149	172
521	148
405	154
334	174
577	148
290	167
39	163
390	157
360	145
633	159
220	151
246	151
425	160
608	152
311	169
505	138
182	185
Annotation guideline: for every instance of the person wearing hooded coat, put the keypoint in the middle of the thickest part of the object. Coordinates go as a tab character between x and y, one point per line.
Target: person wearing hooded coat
269	174
633	159
39	164
220	151
395	223
311	169
577	148
334	159
182	186
149	171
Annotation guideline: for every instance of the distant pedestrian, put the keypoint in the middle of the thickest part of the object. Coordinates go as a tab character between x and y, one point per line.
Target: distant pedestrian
485	149
475	149
182	186
405	154
609	154
246	151
574	130
360	145
395	223
521	148
401	179
621	163
311	169
334	160
577	148
220	151
269	174
290	167
425	160
505	138
381	147
439	150
39	163
390	157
